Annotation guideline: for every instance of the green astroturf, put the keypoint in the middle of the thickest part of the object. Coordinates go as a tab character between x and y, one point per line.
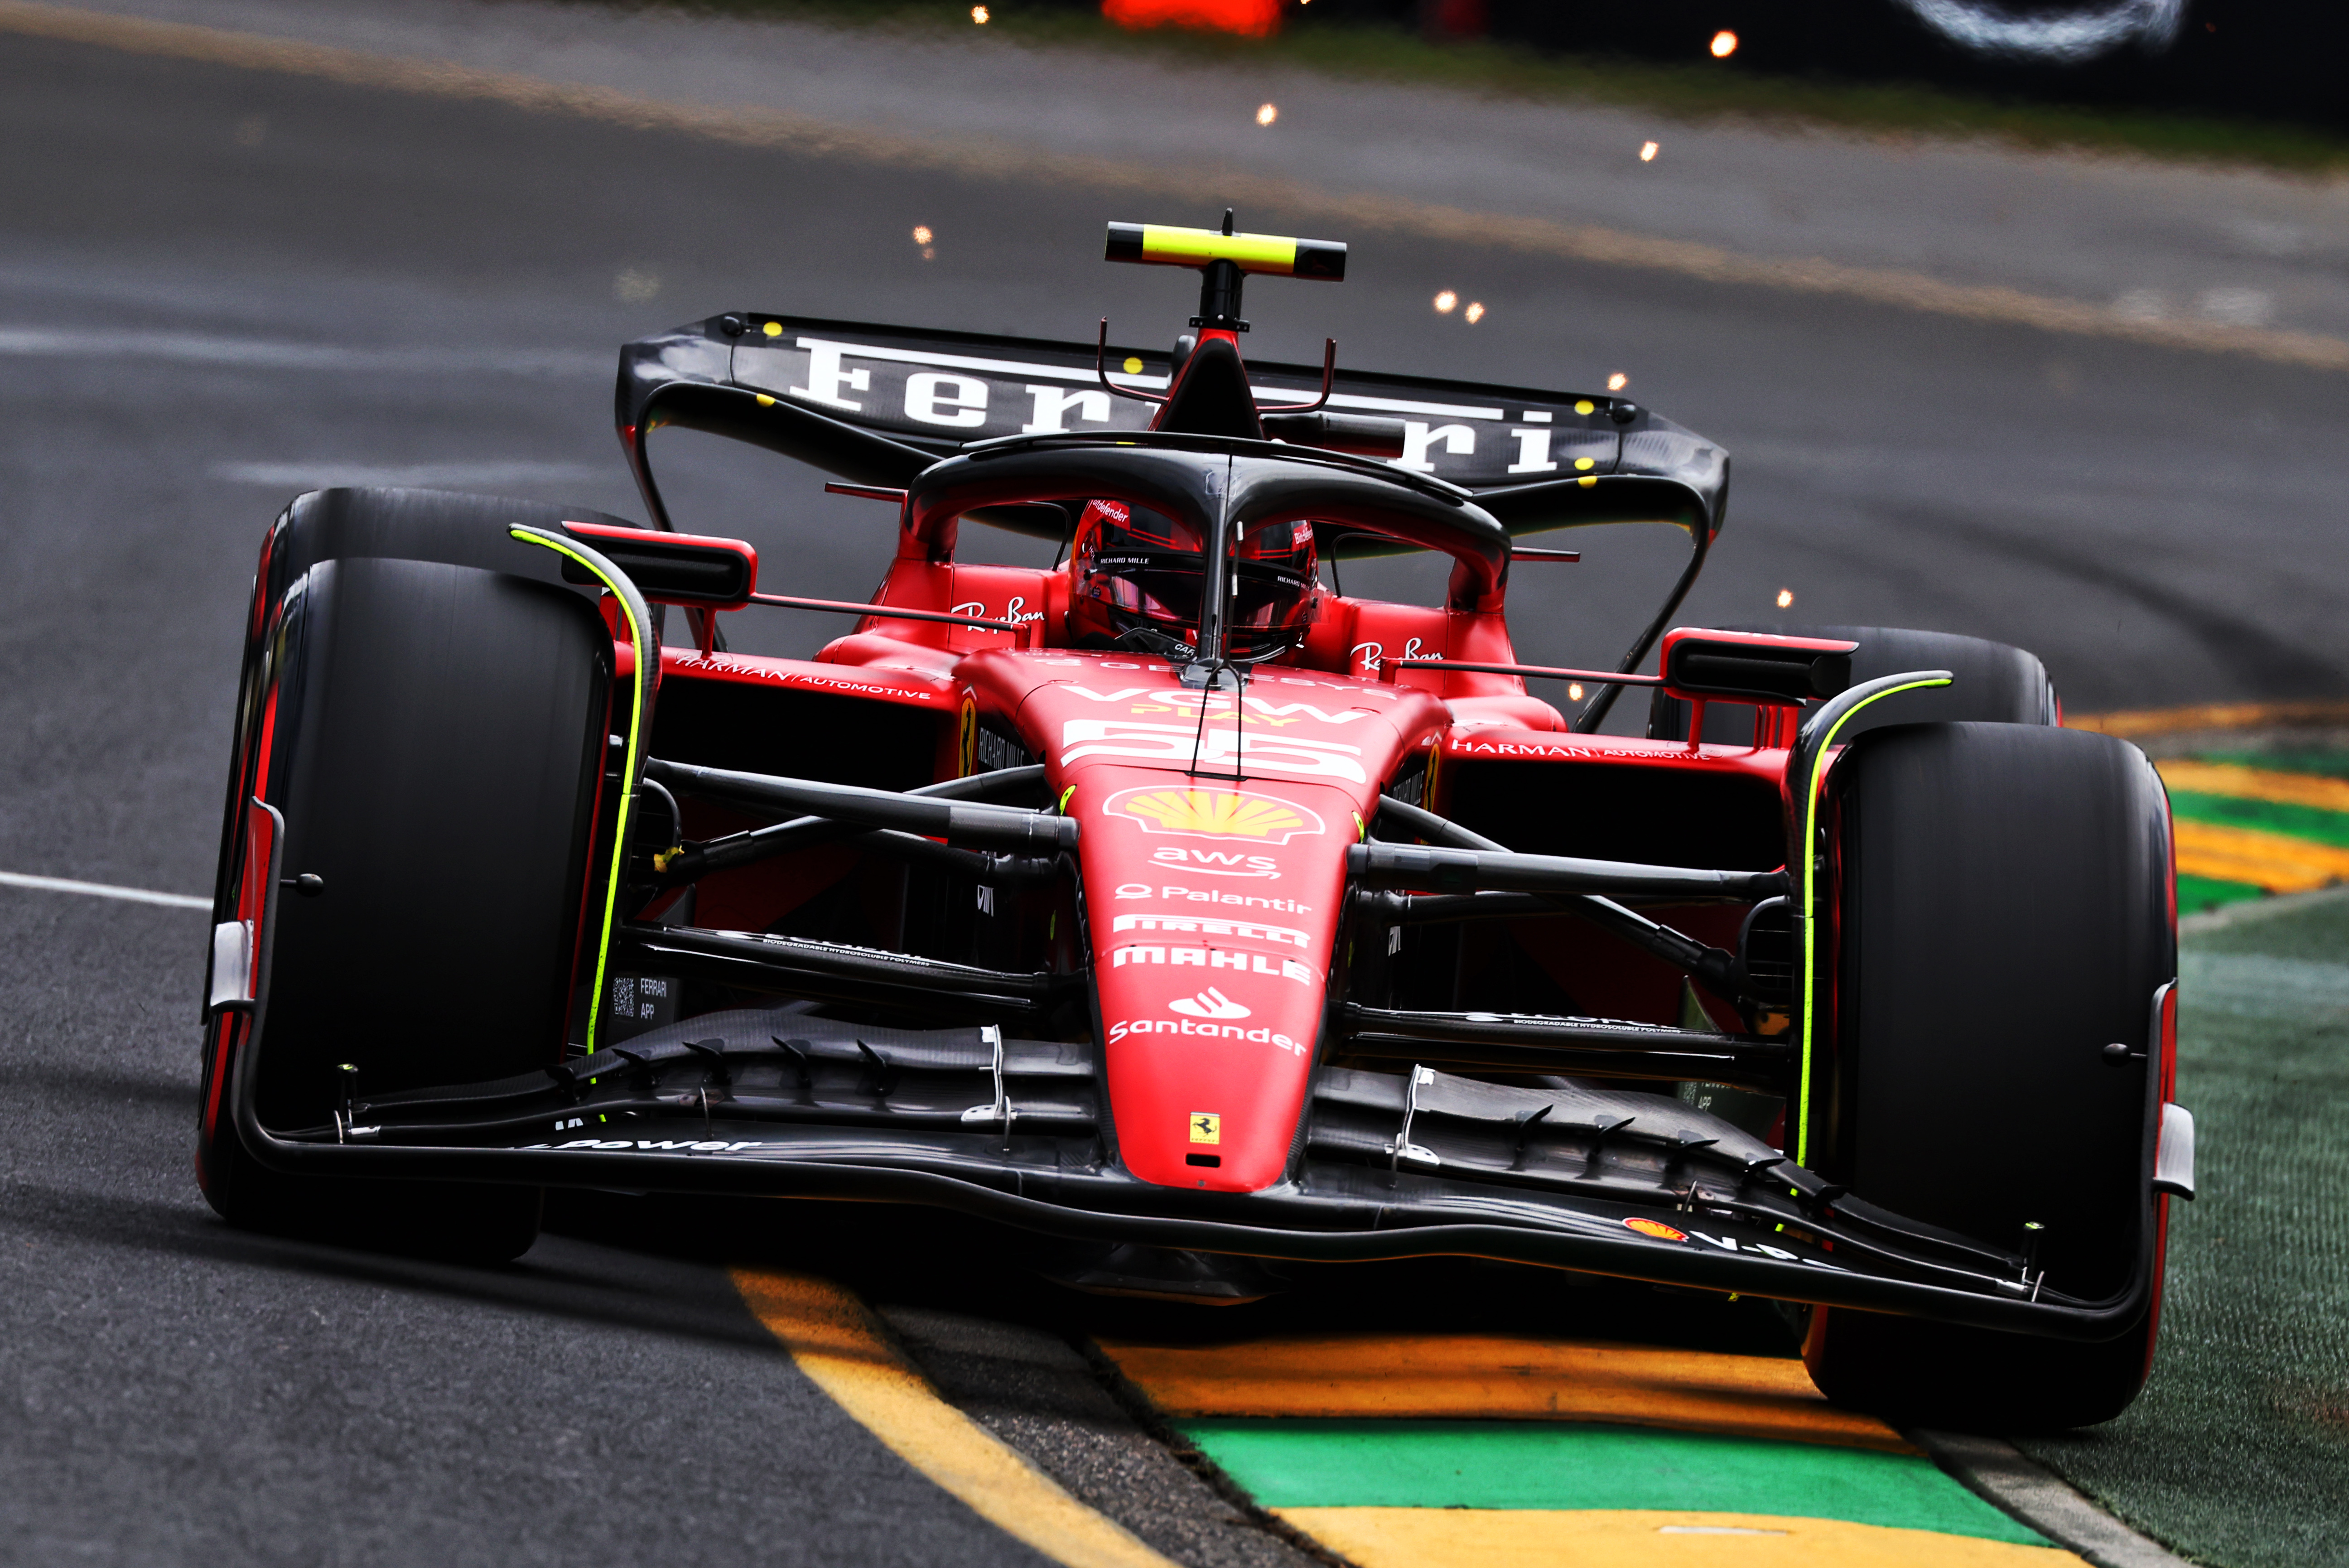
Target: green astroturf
1571	1465
2310	822
2238	1452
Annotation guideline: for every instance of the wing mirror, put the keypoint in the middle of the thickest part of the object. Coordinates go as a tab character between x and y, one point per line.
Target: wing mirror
1754	666
693	569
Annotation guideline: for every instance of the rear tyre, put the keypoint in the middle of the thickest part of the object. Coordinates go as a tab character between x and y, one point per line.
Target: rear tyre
2003	913
1995	684
438	741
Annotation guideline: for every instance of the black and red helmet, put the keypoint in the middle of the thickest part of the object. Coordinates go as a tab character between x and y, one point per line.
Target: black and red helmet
1138	568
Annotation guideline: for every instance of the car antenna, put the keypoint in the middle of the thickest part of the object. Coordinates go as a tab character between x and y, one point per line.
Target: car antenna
1223	258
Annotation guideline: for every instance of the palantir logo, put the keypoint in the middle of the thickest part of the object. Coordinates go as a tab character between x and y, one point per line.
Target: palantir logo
1209	1003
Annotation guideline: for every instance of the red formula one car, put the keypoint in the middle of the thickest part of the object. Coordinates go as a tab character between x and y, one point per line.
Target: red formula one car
1172	903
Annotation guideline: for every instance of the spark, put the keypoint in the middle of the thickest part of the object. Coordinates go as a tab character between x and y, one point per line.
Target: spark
978	15
1785	599
1474	313
1725	43
1267	113
1445	301
922	234
1618	381
1647	153
1574	690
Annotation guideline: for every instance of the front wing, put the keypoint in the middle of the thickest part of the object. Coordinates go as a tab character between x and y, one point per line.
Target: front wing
1392	1166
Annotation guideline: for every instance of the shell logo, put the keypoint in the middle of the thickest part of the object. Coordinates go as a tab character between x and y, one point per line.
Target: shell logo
1214	813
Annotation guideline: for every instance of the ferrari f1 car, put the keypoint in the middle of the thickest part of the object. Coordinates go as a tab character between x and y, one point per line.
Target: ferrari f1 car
1176	906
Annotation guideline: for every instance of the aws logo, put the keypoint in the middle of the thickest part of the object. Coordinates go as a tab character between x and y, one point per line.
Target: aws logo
1216	862
1215	813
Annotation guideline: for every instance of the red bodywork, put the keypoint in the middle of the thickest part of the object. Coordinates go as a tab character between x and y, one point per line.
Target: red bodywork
1215	829
1212	898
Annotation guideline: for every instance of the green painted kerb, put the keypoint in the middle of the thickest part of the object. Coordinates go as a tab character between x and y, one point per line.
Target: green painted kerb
2196	894
2310	822
1571	1465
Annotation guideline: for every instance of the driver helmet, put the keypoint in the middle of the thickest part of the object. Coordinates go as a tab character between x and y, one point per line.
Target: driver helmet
1138	568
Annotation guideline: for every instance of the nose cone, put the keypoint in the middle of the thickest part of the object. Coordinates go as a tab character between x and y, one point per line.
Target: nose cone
1212	910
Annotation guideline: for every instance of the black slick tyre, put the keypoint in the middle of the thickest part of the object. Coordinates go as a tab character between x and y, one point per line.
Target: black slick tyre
435	742
2001	912
1994	685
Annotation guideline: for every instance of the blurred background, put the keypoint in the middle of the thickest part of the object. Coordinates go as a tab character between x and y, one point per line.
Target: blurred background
2269	59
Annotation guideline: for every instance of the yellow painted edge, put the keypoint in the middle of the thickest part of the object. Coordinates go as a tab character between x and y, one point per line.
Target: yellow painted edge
2136	722
1481	1377
837	1342
1643	1538
2242	782
2271	860
981	158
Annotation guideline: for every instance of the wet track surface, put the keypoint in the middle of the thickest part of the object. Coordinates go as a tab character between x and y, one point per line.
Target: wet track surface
219	286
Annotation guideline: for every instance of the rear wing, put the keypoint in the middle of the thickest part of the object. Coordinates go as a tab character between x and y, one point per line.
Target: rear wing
876	405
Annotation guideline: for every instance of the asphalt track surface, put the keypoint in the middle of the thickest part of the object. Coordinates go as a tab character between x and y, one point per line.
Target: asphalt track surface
219	286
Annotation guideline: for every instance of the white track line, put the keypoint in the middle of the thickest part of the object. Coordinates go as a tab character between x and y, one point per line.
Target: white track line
2039	1498
103	890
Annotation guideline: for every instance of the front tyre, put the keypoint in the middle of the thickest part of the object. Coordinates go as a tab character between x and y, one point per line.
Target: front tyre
2003	912
434	735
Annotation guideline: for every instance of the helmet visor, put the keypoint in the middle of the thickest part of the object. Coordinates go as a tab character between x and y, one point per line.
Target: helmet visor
1152	568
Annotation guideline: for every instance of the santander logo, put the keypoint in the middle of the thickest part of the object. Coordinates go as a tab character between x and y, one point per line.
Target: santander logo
1209	1003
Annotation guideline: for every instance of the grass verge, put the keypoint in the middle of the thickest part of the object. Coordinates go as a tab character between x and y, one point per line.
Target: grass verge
2238	1453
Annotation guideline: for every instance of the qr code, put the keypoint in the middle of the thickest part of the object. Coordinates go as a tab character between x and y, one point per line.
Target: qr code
624	997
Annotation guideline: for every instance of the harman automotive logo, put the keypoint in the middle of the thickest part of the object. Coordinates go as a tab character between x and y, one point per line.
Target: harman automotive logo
1209	1003
1214	813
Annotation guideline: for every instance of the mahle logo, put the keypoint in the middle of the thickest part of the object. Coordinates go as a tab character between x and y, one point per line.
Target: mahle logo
1214	813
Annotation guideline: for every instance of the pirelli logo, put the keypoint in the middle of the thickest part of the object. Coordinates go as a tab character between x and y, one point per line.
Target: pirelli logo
1207	926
